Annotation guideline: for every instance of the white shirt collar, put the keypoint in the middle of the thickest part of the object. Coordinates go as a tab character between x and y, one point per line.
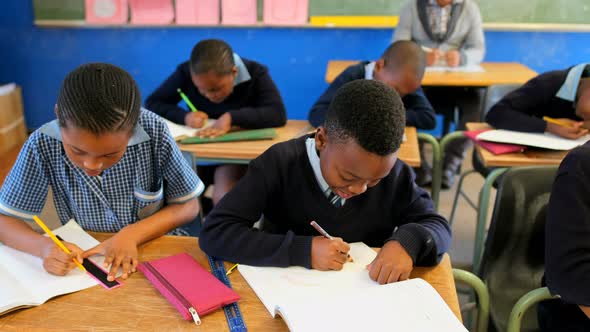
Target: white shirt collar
314	160
243	73
369	68
569	89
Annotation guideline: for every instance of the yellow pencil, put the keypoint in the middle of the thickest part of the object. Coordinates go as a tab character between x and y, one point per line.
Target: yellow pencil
57	241
231	269
557	122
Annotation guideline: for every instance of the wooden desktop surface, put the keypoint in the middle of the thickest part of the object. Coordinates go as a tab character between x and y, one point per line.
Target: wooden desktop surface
248	150
530	156
138	306
495	73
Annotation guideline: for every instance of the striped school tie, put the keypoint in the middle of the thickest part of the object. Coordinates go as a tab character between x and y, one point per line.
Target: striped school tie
335	199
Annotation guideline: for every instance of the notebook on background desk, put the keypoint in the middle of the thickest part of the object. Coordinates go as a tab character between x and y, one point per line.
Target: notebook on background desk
544	140
348	300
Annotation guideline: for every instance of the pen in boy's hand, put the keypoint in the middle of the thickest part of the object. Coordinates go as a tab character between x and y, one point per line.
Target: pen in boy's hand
326	235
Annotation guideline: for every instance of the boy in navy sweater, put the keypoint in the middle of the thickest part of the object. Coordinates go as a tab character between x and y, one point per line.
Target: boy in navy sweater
223	86
567	247
347	177
401	67
563	94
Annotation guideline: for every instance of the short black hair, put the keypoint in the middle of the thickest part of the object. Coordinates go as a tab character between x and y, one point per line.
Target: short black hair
100	98
212	54
405	55
369	112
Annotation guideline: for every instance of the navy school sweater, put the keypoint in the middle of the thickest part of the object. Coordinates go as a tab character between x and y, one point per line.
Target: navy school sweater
523	109
254	102
419	112
281	186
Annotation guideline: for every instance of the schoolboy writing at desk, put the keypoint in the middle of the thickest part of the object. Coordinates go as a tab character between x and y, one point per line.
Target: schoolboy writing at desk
112	166
560	94
346	177
224	86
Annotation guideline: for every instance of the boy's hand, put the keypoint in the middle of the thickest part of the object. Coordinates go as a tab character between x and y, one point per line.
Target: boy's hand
453	58
574	130
221	126
56	261
119	251
433	57
196	119
391	264
328	254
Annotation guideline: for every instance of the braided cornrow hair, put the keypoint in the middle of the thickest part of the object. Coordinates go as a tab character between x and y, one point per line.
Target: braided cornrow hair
100	98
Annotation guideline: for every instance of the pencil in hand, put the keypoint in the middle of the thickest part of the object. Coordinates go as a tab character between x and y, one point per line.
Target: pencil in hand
556	121
57	241
326	235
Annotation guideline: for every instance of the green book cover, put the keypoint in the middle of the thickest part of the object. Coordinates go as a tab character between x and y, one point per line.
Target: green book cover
58	9
244	135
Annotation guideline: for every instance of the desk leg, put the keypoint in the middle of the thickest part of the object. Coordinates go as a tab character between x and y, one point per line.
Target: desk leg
436	166
446	140
482	216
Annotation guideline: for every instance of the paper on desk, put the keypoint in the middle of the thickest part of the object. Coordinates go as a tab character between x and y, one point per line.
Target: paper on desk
410	306
31	284
177	130
544	140
462	69
274	283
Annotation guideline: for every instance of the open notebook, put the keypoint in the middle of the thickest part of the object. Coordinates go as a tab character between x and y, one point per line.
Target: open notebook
544	140
348	300
25	283
180	131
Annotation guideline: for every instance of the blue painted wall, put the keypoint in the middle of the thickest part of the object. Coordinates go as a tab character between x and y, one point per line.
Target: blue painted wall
38	58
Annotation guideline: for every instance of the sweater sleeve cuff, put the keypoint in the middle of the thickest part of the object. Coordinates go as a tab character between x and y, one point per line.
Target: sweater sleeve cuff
415	239
300	251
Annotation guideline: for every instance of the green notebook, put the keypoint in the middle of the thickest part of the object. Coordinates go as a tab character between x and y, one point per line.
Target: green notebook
58	9
243	135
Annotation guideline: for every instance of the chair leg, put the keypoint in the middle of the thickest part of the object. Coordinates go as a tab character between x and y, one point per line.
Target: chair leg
457	193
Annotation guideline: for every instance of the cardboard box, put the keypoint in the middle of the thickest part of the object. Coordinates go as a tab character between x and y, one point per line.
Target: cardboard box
13	131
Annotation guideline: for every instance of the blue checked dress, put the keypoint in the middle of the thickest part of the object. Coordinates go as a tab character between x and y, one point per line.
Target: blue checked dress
151	172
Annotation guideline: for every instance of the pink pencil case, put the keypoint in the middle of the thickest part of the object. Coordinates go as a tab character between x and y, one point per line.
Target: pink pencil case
189	287
495	148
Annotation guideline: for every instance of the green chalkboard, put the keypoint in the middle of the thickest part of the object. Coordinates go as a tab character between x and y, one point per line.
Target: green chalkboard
354	7
58	9
535	11
493	11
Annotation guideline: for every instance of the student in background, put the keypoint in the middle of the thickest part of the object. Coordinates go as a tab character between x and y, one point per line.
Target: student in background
346	177
401	67
561	94
450	31
111	166
567	247
223	86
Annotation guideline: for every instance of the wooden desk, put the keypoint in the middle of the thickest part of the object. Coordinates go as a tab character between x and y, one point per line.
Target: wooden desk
530	157
138	306
495	73
8	160
409	152
243	152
